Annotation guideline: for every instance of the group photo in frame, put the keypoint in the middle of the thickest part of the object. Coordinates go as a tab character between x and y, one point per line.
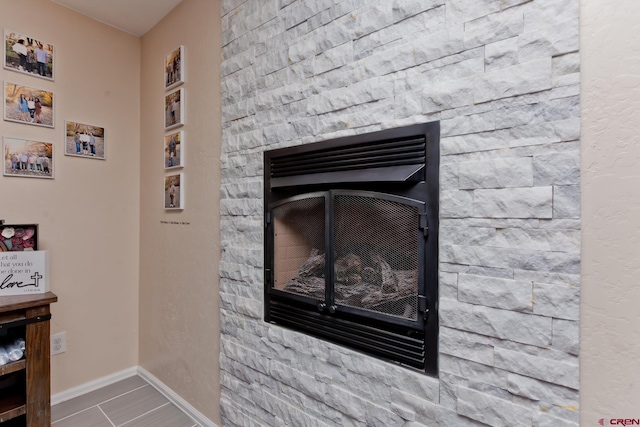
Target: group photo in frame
174	109
174	68
174	150
28	105
28	55
83	140
174	191
27	158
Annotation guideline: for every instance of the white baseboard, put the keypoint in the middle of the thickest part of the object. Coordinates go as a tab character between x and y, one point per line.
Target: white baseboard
74	392
175	398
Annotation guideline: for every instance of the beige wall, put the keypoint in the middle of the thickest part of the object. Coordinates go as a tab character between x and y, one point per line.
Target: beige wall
179	280
89	214
610	318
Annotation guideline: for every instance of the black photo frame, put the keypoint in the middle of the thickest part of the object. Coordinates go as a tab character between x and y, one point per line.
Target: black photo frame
18	237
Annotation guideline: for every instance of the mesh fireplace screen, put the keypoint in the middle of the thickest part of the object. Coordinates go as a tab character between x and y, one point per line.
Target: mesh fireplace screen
376	255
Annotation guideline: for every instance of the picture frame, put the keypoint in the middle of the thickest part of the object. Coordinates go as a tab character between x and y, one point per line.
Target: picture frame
84	140
28	55
24	104
27	158
174	68
174	192
18	237
174	109
174	150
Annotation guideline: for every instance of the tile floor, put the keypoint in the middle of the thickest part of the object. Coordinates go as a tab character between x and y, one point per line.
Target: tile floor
132	402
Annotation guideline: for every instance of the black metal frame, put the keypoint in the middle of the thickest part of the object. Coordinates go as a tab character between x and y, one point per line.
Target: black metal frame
402	165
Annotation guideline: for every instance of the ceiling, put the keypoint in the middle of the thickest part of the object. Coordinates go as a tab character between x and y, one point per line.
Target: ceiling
133	16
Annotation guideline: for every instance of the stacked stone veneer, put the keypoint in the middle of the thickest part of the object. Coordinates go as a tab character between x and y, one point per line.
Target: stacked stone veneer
502	77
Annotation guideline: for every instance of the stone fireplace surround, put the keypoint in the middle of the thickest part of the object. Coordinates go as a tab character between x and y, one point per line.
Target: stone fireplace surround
502	77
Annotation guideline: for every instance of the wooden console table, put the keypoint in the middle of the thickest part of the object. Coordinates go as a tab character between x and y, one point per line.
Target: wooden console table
25	390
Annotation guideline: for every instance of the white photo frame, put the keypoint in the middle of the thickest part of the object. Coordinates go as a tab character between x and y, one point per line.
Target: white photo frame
174	68
174	150
32	106
26	158
83	140
174	192
174	109
27	55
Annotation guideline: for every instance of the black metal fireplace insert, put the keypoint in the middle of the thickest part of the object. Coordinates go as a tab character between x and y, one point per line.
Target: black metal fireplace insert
351	242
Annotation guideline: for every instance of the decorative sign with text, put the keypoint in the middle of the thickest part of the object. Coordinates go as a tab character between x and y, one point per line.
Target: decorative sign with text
23	273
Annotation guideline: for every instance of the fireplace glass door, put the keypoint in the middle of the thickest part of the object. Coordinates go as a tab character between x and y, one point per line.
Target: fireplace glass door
355	252
299	246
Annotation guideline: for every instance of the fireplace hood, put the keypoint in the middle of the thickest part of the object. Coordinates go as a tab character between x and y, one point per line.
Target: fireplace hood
395	155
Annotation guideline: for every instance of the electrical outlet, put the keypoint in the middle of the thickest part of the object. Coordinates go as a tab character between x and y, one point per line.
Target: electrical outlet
58	343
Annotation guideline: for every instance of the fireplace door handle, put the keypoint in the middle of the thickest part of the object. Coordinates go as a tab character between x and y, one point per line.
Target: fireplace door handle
423	306
322	307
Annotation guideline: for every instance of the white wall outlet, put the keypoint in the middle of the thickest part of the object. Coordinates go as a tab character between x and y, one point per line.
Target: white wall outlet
58	343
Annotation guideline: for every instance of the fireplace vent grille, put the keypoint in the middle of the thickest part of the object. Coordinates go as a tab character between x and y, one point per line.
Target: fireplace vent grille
379	341
396	160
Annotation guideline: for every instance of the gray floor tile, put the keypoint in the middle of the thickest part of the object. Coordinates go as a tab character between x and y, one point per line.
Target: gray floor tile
92	417
132	405
166	416
72	406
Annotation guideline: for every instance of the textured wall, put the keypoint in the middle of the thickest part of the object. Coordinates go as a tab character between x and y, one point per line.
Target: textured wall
89	213
610	327
503	79
179	250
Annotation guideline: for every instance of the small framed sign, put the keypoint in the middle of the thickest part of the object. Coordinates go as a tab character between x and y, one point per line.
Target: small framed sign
24	273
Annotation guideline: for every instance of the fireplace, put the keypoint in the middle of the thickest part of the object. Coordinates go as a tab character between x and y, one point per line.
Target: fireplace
351	242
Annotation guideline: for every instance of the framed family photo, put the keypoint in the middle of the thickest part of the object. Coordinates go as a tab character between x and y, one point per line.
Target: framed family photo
27	159
28	55
84	140
174	109
174	68
174	150
174	191
28	105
